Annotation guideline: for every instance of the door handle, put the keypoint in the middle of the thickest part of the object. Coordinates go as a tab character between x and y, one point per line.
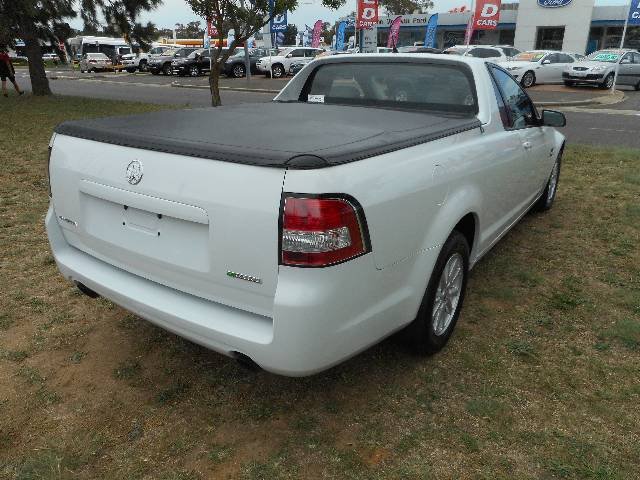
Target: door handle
527	145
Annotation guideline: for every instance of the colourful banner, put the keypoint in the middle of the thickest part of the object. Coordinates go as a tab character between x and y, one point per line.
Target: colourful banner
394	31
430	36
342	26
367	14
317	31
487	15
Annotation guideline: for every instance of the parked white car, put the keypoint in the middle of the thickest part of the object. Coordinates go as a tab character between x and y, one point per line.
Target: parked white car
387	177
541	66
494	53
93	62
280	65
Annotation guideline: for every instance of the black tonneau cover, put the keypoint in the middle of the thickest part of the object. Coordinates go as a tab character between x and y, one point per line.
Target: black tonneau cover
281	135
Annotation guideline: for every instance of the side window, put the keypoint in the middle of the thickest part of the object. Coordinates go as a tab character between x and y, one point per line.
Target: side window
628	58
502	108
484	53
517	102
564	58
510	52
636	58
553	58
297	53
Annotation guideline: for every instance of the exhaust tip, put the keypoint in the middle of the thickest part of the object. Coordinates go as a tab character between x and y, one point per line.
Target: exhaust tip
246	362
86	290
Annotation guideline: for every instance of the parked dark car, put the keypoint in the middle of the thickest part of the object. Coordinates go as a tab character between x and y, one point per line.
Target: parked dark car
235	65
197	63
162	63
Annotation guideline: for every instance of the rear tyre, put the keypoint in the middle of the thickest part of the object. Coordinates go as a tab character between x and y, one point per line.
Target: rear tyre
442	302
194	71
131	70
637	87
568	83
528	79
143	66
166	69
608	82
545	202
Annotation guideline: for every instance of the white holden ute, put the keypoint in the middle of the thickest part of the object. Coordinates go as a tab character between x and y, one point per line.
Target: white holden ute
355	208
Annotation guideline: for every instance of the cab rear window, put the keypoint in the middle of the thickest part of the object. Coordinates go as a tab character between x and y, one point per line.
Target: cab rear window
421	86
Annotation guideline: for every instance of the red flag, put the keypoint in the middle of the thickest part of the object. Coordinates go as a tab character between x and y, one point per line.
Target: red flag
367	14
394	30
212	31
487	15
317	30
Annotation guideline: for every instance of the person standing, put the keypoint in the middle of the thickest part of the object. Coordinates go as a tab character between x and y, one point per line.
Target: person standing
7	72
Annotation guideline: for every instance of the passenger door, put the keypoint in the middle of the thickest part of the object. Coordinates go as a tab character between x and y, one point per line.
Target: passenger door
628	70
552	67
535	140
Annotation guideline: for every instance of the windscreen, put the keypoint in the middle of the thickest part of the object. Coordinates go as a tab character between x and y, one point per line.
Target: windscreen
415	86
605	56
529	56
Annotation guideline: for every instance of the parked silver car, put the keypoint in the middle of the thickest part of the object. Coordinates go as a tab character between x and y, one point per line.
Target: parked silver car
92	62
600	69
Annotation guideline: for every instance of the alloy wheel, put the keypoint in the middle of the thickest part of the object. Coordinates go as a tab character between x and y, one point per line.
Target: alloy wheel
448	294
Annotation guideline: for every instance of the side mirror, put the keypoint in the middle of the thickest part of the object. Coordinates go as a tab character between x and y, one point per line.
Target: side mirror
289	55
552	118
625	61
546	62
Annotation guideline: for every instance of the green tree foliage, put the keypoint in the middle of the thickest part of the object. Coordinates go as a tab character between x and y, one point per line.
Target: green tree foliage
46	20
405	7
290	35
245	18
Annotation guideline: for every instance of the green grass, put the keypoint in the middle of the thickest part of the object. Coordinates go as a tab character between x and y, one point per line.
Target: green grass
540	380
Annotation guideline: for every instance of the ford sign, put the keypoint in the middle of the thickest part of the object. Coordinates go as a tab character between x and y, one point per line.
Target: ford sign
553	3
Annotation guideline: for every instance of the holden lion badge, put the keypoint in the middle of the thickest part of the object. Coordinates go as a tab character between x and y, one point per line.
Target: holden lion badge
134	172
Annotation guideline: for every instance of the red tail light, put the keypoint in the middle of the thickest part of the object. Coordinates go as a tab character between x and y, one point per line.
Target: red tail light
322	230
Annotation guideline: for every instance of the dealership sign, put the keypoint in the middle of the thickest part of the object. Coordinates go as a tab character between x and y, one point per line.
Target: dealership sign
553	3
367	14
487	15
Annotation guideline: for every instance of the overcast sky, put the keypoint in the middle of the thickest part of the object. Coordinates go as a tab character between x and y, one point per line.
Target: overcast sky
177	11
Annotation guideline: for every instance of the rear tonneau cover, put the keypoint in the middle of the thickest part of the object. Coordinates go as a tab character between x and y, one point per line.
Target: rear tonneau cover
281	135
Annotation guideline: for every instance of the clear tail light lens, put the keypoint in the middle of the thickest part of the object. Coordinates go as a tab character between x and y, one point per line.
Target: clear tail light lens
318	231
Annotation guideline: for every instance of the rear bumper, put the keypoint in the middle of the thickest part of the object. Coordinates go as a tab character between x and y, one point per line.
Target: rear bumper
320	317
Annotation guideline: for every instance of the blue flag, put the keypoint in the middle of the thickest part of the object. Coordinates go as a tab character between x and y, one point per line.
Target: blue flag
279	22
342	26
634	13
430	37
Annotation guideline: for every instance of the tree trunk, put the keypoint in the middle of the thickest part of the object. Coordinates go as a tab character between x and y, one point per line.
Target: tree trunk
214	84
39	80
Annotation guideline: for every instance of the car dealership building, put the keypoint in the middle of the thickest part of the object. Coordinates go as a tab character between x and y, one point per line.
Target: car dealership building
571	25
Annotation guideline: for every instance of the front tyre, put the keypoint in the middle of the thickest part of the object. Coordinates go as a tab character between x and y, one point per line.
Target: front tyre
608	82
238	70
545	202
277	71
442	302
528	79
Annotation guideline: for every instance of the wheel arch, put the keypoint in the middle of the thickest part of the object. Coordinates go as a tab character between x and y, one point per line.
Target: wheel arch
467	226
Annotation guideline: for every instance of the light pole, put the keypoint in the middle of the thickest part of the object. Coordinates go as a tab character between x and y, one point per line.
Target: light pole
247	60
624	34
